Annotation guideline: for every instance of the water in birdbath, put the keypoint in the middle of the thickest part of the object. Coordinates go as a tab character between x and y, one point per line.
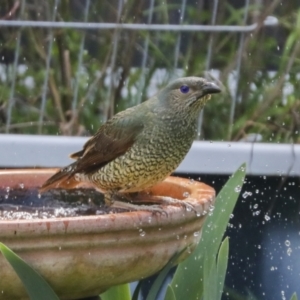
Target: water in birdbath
21	203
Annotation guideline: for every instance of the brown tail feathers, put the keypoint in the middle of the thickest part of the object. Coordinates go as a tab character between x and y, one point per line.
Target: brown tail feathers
62	179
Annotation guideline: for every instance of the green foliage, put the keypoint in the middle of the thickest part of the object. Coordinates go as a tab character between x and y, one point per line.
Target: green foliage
205	264
37	288
261	105
161	277
294	297
118	292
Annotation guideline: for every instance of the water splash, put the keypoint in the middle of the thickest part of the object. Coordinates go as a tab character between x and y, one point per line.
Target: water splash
246	194
28	204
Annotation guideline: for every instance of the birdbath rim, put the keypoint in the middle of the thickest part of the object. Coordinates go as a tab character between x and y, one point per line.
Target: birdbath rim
195	192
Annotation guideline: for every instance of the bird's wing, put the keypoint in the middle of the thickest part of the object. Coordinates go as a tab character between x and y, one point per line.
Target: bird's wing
112	140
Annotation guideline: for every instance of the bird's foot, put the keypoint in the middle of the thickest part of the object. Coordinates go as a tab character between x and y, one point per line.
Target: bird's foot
165	200
146	202
124	201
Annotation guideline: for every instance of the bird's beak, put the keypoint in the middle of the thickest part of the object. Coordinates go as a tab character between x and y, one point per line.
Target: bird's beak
210	88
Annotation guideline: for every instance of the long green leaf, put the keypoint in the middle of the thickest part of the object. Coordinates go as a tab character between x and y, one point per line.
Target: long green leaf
170	295
152	295
36	286
209	280
294	297
215	225
215	274
212	234
136	292
222	263
118	292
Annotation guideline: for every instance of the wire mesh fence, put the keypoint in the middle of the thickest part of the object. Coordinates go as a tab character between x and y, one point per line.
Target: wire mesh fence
67	67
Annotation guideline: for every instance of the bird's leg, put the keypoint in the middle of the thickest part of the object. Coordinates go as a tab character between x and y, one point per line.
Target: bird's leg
124	201
162	200
135	201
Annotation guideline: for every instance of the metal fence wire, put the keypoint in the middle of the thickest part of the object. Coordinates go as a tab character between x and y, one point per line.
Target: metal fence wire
68	66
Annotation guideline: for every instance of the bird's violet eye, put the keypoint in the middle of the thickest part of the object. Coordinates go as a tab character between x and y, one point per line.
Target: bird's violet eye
184	89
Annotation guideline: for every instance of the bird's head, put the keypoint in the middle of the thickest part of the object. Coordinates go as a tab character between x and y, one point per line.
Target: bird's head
188	93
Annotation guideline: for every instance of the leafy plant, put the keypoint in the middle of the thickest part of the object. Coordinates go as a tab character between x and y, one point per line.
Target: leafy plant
36	286
110	77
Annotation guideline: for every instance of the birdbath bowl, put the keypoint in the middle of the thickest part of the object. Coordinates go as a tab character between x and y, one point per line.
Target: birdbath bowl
84	255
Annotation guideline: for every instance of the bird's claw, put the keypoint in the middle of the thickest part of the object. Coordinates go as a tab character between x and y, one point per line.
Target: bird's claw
186	205
154	209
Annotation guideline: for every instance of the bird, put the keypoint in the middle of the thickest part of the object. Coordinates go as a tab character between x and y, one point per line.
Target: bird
140	146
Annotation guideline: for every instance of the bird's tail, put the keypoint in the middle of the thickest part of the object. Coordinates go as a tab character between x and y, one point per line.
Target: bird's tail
64	179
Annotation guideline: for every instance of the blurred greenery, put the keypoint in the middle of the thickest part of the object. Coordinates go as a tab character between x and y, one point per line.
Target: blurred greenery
267	97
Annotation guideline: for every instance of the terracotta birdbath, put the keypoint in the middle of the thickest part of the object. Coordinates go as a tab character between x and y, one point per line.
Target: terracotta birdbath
82	256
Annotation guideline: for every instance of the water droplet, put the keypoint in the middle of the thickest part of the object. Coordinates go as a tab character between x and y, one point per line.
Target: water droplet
246	194
186	194
192	181
7	189
6	196
256	191
231	216
188	208
289	251
196	233
142	232
177	237
267	218
287	243
242	169
198	213
255	206
237	189
21	185
39	195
